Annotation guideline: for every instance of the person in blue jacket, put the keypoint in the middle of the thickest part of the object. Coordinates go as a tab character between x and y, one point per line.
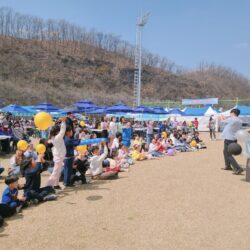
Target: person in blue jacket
70	145
162	128
10	195
9	205
127	135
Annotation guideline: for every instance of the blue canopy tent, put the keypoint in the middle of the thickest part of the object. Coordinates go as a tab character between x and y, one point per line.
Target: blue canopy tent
85	106
83	102
196	111
18	110
98	111
72	109
119	108
47	107
176	112
244	110
29	108
50	108
143	110
160	111
143	113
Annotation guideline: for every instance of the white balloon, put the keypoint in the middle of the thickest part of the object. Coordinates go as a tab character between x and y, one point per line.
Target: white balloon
242	135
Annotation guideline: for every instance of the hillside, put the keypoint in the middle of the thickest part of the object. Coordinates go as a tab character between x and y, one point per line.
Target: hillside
33	71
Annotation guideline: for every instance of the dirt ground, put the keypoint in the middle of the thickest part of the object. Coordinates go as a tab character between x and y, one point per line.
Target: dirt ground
181	202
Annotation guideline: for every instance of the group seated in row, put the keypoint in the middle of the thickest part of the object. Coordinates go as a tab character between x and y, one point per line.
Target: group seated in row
67	162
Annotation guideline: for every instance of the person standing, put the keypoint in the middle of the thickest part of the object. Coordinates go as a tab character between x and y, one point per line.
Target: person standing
70	145
69	121
127	133
59	151
233	124
211	126
104	127
150	132
248	160
112	130
196	124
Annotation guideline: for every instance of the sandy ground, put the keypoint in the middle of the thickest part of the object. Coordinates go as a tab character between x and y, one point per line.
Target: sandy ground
181	202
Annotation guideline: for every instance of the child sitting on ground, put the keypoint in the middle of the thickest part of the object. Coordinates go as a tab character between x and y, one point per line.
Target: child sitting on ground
32	187
80	168
116	164
48	156
154	148
10	196
96	168
16	162
123	155
137	141
116	141
137	155
200	143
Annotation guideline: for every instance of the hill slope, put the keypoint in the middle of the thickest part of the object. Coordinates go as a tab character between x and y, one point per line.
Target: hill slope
34	71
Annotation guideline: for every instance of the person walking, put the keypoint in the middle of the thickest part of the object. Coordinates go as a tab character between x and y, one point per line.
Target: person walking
233	124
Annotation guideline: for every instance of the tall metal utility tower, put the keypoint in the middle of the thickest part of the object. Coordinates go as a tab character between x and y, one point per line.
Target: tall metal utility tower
141	22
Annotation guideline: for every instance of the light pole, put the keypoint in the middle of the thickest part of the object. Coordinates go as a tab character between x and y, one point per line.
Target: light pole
141	22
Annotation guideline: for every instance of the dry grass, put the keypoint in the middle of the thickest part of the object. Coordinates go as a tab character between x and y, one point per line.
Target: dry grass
33	71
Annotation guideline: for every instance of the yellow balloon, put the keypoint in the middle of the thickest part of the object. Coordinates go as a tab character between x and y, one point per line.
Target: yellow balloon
82	123
43	120
81	149
22	145
193	144
164	134
40	148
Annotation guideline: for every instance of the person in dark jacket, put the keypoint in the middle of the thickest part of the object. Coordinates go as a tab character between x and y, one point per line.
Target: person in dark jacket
69	122
48	155
32	187
80	167
70	145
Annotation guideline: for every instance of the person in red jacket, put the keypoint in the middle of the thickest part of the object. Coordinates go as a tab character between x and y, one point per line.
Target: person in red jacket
196	124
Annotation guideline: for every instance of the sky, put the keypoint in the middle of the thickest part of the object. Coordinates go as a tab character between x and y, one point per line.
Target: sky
185	31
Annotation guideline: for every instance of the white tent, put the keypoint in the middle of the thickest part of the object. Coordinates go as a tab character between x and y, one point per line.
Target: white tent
210	111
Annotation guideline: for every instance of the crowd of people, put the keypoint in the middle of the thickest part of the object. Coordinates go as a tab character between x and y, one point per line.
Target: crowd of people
121	143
